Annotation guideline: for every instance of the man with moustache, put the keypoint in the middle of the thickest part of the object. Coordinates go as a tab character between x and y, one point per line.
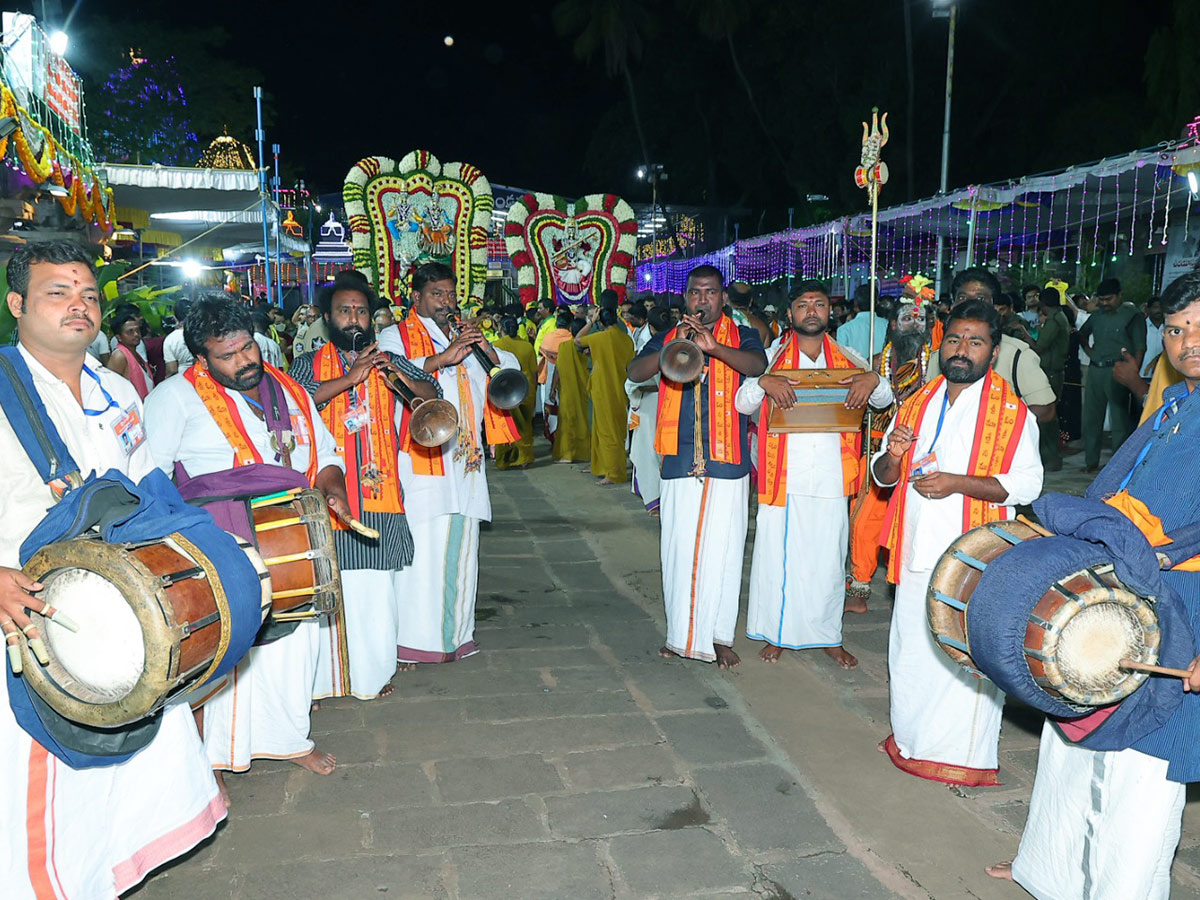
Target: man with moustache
345	378
213	418
961	452
91	832
802	526
1105	824
445	487
705	452
902	364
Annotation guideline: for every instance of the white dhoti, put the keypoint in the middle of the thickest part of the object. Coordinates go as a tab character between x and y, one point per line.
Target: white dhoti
647	482
797	577
945	722
437	592
1101	825
98	832
263	711
361	642
703	546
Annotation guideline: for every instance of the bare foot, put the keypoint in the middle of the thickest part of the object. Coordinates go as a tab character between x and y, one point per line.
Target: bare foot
317	762
387	690
726	658
841	656
770	653
316	705
667	653
224	791
882	746
1003	871
605	481
856	597
406	667
653	513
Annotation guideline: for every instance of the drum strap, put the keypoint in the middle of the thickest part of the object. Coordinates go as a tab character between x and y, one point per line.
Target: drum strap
29	420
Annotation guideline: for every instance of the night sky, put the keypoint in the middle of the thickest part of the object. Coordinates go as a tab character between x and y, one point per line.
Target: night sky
350	80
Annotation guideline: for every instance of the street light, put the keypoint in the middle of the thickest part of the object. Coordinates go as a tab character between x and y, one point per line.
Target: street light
943	9
654	173
191	269
58	43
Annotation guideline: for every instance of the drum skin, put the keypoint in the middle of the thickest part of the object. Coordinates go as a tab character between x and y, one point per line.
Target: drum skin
312	581
175	606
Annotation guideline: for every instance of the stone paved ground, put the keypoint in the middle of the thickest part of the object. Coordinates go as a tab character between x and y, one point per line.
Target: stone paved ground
568	761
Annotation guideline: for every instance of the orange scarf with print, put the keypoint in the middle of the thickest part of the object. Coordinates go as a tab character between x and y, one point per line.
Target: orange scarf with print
723	382
498	424
998	427
772	448
378	446
223	409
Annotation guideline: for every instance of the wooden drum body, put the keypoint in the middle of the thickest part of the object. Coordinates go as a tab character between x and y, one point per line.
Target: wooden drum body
154	622
820	403
295	538
1077	631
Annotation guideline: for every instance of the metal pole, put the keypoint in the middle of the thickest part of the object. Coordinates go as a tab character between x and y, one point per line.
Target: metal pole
874	286
971	229
941	243
791	209
278	229
260	135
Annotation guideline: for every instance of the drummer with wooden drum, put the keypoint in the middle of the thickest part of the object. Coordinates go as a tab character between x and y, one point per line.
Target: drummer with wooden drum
92	832
212	418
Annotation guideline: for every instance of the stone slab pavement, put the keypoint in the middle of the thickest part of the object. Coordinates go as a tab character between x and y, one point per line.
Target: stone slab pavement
567	760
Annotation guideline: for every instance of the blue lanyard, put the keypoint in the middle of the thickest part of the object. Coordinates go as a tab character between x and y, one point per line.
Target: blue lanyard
253	403
112	404
1145	451
941	419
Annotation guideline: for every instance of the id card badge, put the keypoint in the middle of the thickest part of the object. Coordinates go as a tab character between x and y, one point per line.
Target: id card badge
357	419
129	429
926	465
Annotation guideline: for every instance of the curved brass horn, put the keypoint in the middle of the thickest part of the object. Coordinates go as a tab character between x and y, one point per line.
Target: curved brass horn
507	388
681	360
433	422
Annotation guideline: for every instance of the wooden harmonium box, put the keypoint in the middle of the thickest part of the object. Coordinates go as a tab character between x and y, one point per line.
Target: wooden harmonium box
820	403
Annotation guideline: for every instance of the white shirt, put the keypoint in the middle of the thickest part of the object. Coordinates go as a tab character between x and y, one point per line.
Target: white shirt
814	461
641	337
181	428
458	491
175	350
1082	316
930	526
92	441
270	350
1154	347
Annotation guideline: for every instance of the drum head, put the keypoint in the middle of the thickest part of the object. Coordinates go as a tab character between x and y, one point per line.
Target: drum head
103	661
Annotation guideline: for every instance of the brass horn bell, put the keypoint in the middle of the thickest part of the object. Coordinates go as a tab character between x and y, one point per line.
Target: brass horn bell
507	388
433	422
681	360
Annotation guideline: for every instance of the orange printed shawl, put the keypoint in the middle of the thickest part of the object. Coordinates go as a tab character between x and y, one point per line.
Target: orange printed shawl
998	427
772	448
225	413
723	381
380	444
498	424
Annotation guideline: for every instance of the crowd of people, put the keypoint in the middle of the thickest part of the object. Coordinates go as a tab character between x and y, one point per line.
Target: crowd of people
967	401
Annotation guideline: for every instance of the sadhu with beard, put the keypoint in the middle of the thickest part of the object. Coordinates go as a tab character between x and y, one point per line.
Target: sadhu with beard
345	378
902	364
802	525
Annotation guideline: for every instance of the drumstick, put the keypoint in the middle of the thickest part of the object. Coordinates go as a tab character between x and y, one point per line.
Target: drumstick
354	525
1025	520
1156	670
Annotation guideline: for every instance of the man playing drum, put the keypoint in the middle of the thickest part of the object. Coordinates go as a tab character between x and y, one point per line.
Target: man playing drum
92	832
360	411
210	419
802	526
961	451
1105	825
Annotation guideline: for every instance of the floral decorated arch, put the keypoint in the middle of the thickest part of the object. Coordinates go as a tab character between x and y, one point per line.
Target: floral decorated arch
570	251
418	210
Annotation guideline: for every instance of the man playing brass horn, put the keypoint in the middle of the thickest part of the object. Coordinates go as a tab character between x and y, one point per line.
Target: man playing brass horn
361	412
445	488
705	472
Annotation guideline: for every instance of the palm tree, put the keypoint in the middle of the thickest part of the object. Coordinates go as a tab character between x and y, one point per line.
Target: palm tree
618	29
